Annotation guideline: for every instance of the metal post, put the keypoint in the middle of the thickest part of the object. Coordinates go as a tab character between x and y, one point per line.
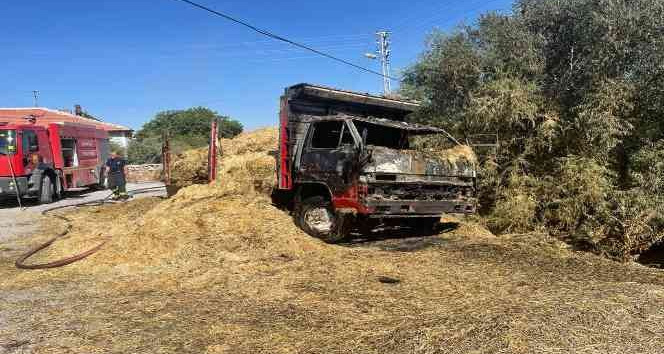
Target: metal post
166	157
212	152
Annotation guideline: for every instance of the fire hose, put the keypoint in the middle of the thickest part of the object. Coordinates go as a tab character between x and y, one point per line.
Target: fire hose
20	262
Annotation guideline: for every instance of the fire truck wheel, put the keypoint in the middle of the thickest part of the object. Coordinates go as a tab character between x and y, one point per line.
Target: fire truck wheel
316	217
46	192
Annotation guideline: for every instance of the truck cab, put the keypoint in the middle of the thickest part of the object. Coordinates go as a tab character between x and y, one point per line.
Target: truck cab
25	155
348	159
43	160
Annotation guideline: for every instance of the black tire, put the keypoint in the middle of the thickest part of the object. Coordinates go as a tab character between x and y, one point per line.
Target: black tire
46	191
316	217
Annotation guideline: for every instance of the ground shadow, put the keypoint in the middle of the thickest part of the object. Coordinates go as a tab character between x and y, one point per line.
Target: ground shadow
653	257
400	238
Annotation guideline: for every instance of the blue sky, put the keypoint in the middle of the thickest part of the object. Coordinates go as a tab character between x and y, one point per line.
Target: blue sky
125	60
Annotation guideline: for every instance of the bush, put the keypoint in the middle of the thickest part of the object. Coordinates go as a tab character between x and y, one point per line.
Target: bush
572	90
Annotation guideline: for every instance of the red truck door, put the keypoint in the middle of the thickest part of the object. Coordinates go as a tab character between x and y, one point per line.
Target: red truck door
35	148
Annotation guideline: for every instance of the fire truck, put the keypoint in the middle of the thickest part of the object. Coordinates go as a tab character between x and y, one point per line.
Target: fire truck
45	160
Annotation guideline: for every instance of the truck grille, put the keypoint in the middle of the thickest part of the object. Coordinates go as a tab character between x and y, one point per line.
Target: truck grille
394	192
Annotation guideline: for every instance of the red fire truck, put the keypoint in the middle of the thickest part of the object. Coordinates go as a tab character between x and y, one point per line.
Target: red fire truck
45	160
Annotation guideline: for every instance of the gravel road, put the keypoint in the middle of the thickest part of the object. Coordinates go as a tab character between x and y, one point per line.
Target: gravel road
16	222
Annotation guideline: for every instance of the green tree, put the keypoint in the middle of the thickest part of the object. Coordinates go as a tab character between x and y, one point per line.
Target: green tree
574	90
187	129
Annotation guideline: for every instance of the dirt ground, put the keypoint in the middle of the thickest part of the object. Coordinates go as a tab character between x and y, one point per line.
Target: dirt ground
227	274
18	223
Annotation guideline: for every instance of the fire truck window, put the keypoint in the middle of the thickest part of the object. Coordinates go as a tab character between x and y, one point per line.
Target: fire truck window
69	155
30	142
7	142
326	135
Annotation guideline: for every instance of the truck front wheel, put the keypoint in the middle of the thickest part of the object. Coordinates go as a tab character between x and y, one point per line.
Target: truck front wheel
316	217
46	191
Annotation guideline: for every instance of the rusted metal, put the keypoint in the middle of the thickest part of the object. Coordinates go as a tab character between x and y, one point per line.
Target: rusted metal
355	150
212	151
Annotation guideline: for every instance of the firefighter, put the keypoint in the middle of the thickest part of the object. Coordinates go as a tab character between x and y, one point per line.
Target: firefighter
116	170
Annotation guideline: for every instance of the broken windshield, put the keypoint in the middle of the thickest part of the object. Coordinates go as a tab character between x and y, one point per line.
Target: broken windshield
380	135
7	142
401	139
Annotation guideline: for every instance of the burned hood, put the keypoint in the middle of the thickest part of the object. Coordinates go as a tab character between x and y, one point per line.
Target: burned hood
458	162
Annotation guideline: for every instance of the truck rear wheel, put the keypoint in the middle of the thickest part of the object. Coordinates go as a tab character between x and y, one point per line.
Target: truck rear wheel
46	191
316	217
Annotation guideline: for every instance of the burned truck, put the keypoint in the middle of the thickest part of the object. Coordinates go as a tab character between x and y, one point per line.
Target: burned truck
349	161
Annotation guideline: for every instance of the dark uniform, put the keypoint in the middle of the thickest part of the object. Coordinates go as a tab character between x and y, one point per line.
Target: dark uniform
116	176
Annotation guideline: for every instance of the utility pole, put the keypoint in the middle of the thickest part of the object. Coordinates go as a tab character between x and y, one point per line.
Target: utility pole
35	94
384	52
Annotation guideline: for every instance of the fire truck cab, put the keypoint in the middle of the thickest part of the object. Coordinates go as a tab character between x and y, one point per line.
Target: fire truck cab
44	161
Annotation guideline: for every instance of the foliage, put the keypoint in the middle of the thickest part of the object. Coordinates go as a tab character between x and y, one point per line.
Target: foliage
574	91
144	150
192	122
114	146
186	129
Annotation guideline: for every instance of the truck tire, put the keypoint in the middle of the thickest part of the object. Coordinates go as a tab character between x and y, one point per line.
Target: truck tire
316	217
46	191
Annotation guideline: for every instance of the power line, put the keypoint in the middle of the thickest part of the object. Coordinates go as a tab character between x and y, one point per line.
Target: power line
280	38
431	21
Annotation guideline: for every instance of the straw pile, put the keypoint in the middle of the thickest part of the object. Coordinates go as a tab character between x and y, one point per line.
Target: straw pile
458	153
190	167
246	164
218	269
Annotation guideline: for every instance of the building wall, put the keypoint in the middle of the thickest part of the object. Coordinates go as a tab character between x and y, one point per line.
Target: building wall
120	138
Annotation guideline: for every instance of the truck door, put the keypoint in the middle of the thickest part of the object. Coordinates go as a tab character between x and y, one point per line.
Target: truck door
30	148
329	154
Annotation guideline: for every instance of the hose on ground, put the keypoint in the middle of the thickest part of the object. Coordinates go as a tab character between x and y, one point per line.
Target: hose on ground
20	262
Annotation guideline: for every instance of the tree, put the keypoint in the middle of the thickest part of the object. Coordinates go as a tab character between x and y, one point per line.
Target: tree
574	89
187	129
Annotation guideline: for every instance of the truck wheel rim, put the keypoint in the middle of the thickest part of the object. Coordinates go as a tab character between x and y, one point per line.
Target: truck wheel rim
319	219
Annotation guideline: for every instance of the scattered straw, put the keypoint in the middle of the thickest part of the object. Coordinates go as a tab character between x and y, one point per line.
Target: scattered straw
218	269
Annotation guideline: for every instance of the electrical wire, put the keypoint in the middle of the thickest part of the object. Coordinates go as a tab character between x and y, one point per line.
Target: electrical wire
283	39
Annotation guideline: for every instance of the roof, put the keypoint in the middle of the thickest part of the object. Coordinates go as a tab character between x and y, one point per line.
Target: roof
47	115
411	127
355	97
